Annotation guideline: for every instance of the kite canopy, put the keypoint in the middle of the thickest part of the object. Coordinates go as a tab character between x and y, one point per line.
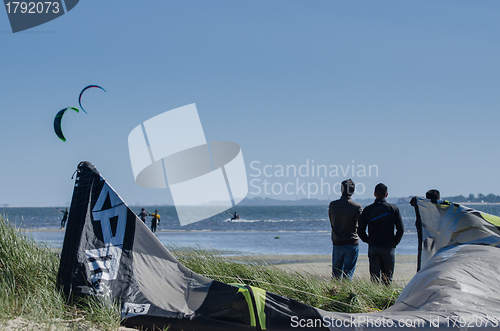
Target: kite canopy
86	88
57	122
108	252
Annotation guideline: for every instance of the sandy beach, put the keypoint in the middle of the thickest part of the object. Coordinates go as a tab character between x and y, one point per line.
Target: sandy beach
321	265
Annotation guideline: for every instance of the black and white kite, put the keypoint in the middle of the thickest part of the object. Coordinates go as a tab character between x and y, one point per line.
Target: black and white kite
108	252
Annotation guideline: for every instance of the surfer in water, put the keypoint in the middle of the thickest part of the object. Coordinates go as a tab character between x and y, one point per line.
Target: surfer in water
143	214
155	221
65	217
235	216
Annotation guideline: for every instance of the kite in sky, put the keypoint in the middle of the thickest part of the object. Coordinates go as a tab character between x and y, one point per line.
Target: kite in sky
58	118
57	122
80	97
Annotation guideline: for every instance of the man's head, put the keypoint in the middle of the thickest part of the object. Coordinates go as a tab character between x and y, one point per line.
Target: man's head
348	187
433	194
380	191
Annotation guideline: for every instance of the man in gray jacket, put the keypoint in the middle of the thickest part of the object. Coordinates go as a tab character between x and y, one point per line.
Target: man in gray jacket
344	215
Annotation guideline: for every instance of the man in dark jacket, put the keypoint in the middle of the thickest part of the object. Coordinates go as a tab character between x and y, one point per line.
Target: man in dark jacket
344	215
381	218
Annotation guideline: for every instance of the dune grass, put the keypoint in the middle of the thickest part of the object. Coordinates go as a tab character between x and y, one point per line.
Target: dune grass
28	274
28	290
358	296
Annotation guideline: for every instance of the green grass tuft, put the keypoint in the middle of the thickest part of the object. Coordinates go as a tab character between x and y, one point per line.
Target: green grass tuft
28	276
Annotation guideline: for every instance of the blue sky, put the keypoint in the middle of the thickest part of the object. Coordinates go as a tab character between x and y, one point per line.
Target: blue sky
411	87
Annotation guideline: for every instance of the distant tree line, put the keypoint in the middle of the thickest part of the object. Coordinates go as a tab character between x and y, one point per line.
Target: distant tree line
472	198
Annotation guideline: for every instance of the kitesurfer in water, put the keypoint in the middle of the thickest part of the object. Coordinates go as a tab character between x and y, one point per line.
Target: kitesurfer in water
65	217
143	214
155	220
235	216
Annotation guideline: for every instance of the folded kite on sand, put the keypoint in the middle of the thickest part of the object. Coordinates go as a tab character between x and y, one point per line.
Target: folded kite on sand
108	252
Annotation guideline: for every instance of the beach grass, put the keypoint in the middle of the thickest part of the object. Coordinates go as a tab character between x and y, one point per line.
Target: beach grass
28	286
357	296
28	290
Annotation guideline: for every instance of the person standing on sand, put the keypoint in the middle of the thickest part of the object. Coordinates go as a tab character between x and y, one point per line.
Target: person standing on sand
381	218
65	217
155	221
344	215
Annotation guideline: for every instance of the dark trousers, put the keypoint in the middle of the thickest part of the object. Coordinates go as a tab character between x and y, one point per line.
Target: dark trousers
63	221
381	263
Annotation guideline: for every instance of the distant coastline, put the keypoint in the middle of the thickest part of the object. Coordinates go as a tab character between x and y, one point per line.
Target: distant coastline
317	202
476	203
259	201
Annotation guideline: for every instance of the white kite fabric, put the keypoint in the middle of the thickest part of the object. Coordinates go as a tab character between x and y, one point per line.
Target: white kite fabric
173	143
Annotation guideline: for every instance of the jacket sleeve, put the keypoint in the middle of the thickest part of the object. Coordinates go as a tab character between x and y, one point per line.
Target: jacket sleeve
399	227
330	212
362	226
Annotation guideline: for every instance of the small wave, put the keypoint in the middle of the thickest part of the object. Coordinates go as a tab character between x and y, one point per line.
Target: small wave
255	221
278	221
243	221
273	220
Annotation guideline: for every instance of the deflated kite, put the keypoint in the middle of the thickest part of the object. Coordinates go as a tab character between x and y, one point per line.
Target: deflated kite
109	253
57	122
80	97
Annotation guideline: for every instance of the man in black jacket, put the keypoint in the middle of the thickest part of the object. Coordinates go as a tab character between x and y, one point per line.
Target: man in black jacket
344	215
381	218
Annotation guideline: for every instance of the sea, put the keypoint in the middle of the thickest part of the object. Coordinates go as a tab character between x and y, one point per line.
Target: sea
261	230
